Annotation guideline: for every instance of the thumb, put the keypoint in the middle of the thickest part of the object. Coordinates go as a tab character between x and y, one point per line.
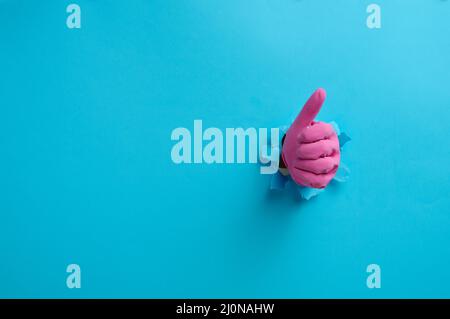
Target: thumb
310	109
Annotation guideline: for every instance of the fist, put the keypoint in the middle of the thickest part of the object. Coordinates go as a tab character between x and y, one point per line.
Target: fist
311	150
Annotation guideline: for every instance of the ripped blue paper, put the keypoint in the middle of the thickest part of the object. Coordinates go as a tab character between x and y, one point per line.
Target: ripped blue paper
342	174
343	139
307	192
279	181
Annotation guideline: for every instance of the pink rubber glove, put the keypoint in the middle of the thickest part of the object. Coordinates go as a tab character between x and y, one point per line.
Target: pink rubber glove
311	149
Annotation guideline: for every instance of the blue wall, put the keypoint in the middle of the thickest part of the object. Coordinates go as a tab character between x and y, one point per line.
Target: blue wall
86	175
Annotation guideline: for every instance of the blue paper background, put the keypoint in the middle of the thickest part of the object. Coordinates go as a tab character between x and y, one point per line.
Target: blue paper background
86	175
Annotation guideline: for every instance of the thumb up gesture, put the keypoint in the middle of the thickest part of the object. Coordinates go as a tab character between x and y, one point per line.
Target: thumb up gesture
311	150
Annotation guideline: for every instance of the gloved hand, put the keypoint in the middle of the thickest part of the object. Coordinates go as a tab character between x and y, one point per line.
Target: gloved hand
311	149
